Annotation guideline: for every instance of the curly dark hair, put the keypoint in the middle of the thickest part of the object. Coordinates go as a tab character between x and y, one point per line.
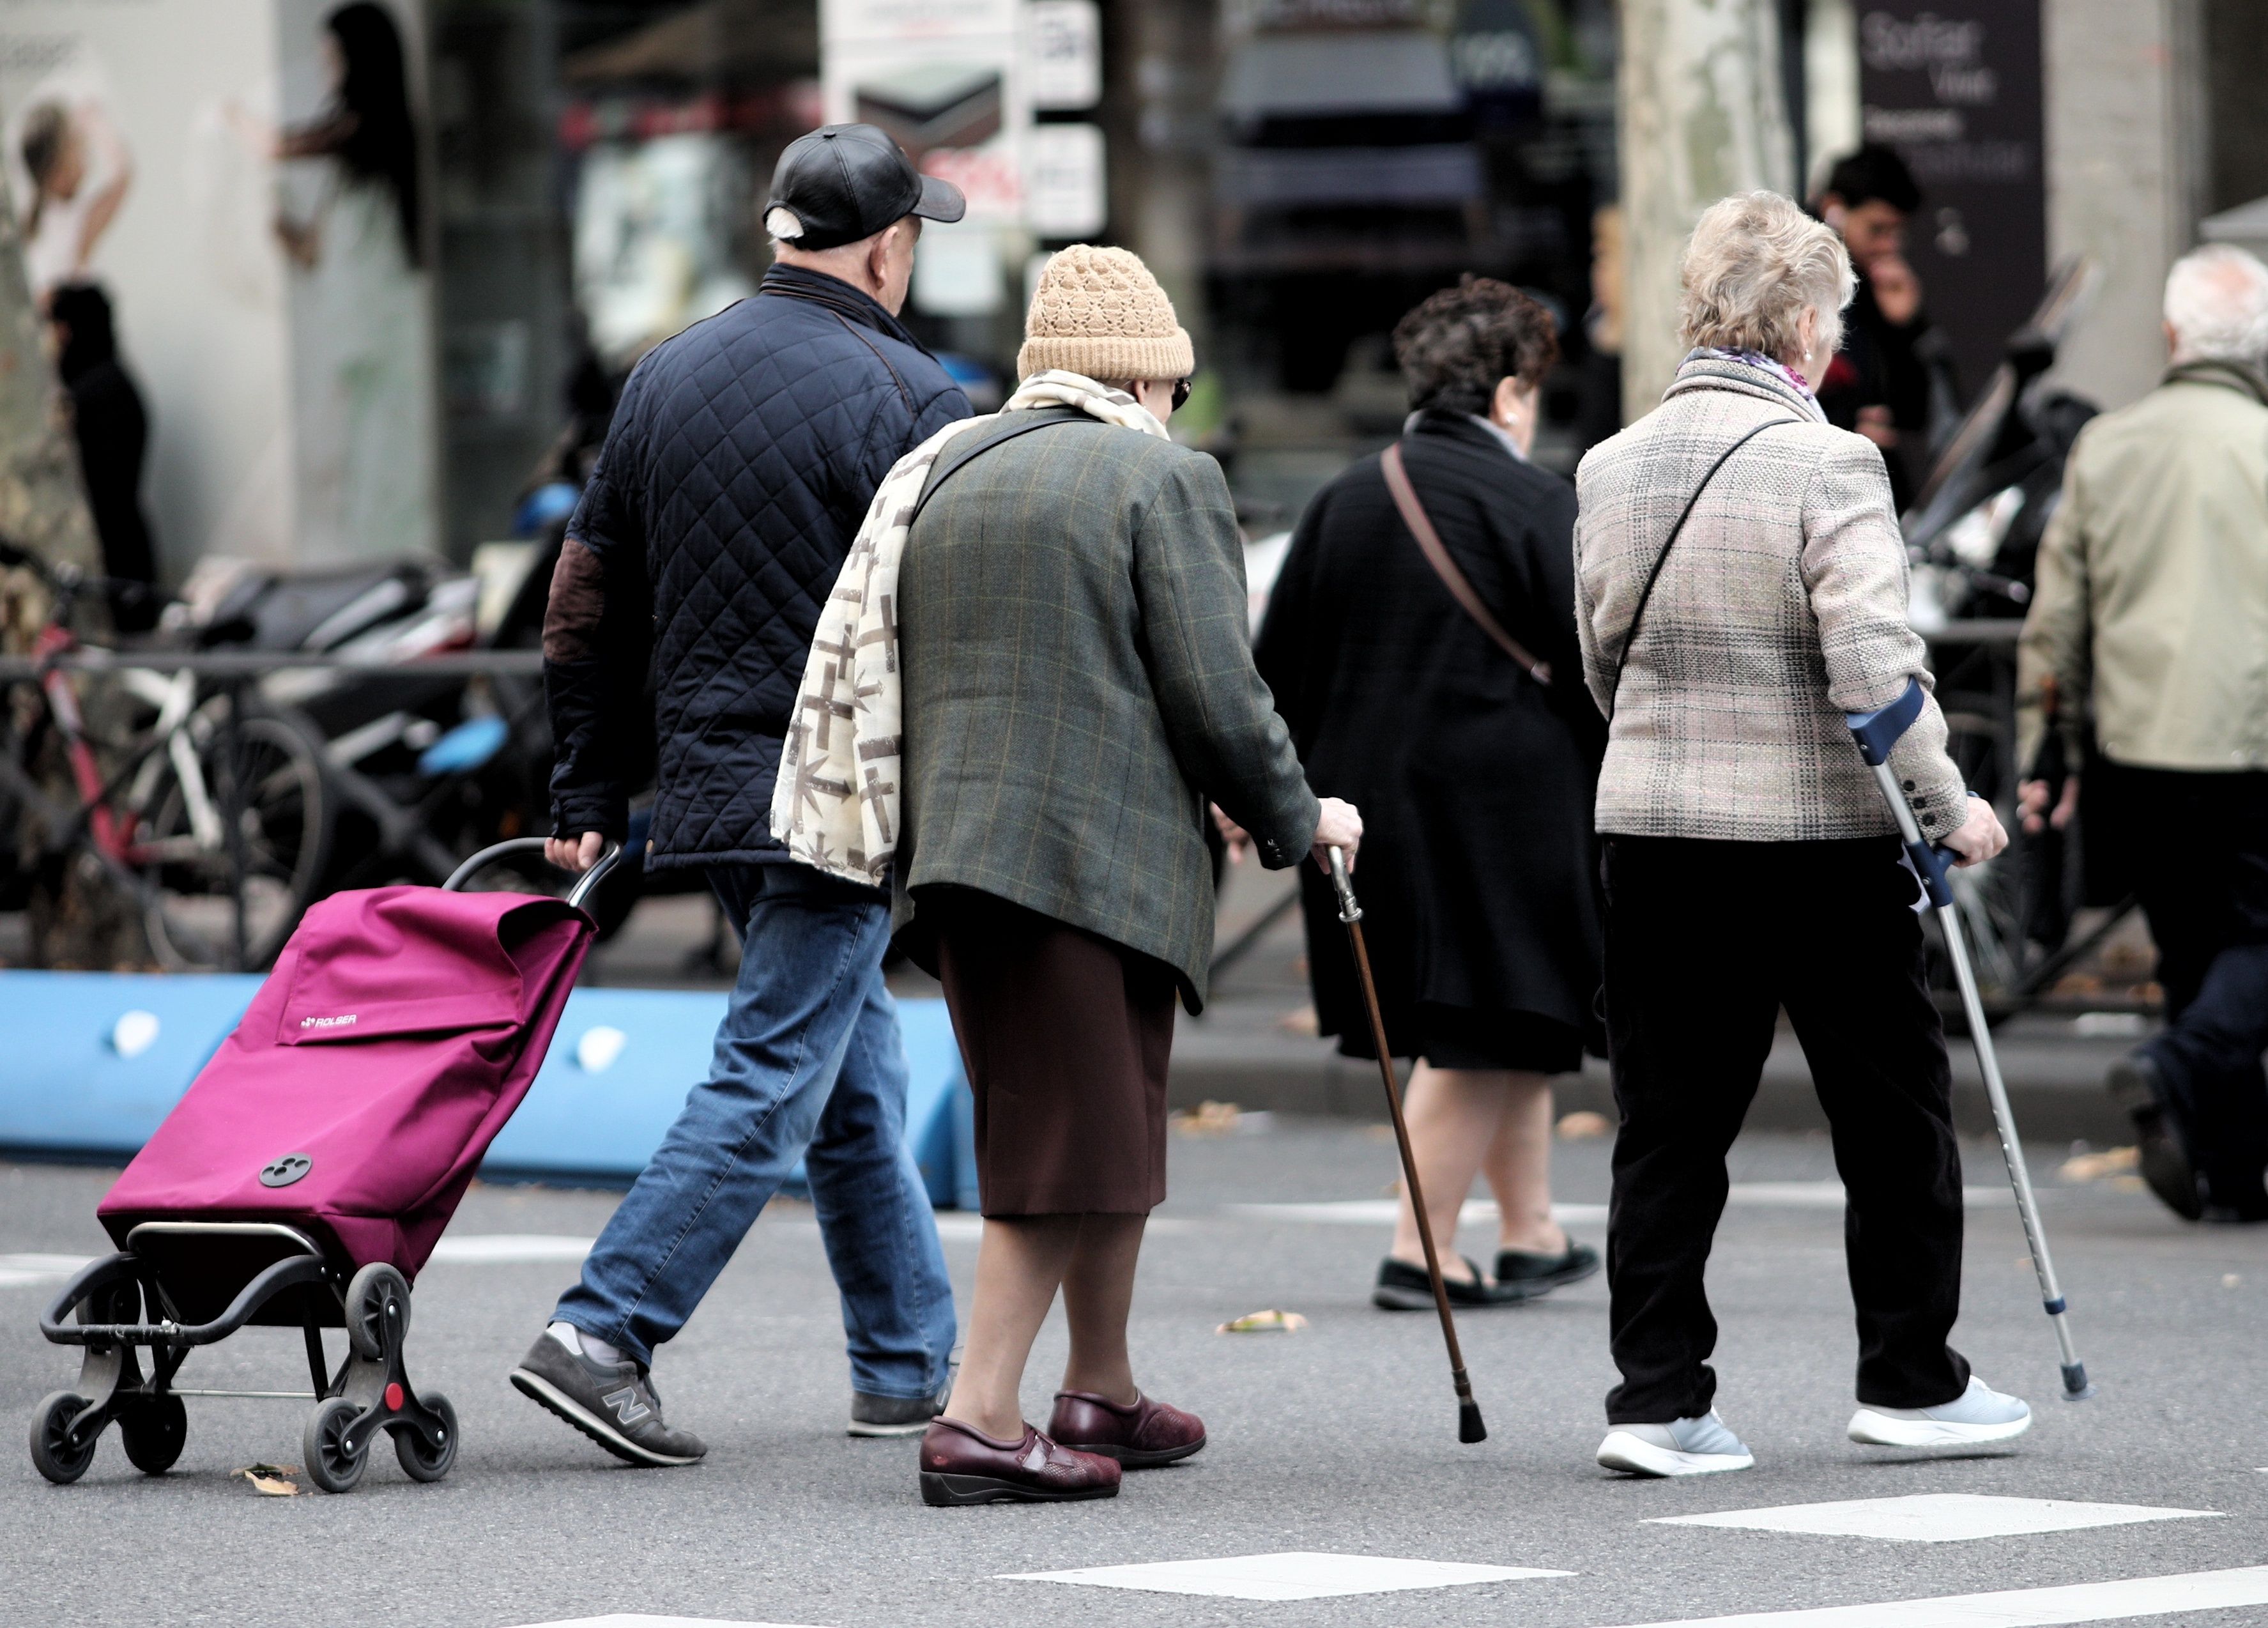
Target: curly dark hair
1455	347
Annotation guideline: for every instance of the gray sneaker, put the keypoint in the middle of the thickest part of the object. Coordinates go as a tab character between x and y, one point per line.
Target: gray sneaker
612	1403
1684	1447
1978	1414
896	1416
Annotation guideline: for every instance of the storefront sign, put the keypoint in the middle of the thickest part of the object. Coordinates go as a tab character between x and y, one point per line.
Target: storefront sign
1955	87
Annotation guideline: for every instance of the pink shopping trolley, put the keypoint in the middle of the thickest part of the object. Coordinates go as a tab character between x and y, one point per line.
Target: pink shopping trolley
308	1172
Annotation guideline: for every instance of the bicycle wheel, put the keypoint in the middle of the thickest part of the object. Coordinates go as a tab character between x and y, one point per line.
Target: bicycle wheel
285	817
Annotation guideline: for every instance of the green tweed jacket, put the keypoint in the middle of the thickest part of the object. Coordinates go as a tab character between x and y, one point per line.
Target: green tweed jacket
1078	681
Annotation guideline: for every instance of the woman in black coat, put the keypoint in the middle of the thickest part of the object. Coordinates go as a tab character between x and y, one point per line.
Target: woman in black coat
1475	779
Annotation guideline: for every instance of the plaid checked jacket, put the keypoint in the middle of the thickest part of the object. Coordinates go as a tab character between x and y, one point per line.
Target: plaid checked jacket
1077	681
1782	607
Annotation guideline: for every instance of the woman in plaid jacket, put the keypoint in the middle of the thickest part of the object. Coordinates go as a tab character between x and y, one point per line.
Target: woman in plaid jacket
1749	863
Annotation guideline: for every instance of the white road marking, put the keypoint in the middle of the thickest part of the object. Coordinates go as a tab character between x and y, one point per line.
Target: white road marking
1936	1517
636	1619
1480	1211
19	1269
1381	1211
503	1248
2021	1608
1289	1576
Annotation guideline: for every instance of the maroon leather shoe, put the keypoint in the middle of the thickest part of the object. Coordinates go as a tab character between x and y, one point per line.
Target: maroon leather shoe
960	1465
1140	1436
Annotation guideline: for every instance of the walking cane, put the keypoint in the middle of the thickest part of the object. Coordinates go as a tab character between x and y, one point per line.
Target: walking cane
1470	1428
1877	733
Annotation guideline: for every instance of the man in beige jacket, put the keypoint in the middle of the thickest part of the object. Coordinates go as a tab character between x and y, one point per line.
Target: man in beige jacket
2151	618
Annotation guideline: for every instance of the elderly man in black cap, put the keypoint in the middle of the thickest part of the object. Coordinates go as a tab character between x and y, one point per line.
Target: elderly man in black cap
741	460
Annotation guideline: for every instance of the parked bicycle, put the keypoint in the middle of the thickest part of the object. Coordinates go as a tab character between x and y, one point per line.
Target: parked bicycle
201	808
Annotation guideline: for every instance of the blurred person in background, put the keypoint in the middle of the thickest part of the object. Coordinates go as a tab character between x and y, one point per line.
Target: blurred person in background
1750	863
113	431
2151	618
740	460
1881	381
1474	770
80	172
1077	680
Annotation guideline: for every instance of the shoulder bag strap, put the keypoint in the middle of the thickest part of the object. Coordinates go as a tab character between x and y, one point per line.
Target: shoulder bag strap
1437	555
1630	638
955	459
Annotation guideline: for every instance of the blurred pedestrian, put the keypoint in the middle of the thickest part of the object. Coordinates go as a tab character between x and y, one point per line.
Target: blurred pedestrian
1881	380
2151	617
80	172
1741	585
113	431
1056	676
1472	750
741	459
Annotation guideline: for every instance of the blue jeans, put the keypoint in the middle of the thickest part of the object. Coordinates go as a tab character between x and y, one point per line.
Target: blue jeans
808	1064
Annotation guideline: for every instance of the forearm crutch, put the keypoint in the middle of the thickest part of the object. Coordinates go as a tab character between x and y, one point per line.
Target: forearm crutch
1877	733
1469	1427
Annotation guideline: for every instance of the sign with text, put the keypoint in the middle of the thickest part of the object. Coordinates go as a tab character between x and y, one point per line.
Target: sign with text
1955	86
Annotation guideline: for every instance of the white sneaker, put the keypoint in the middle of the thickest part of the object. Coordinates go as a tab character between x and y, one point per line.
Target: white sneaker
1978	1414
1684	1447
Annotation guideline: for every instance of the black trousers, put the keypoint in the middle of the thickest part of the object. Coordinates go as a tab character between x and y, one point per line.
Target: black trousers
2198	844
1706	941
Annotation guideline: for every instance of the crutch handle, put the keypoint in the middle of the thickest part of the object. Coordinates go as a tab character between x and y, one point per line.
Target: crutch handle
1875	733
1348	910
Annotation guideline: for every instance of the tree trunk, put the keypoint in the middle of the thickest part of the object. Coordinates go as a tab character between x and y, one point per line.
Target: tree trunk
1702	116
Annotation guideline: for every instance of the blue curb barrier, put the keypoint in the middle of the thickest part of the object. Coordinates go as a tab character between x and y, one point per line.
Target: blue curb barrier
95	1060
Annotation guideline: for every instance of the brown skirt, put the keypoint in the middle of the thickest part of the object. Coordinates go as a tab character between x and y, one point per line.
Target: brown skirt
1065	1036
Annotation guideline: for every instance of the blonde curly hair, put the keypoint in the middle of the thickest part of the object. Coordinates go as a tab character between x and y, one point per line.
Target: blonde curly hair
1755	264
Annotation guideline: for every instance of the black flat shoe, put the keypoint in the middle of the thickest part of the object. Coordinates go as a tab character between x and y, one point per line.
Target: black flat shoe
1540	1274
1404	1287
2135	1085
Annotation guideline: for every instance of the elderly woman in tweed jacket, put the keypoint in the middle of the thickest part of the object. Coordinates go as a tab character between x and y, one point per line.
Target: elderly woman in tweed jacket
1078	682
1749	863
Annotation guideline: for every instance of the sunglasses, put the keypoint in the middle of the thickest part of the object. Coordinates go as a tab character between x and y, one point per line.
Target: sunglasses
1181	387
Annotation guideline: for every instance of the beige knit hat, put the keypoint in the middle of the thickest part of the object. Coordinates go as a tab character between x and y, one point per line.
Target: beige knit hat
1099	311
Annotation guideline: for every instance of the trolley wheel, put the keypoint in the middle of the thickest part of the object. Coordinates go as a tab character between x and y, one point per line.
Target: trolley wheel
152	1431
419	1461
335	1453
53	1455
377	1295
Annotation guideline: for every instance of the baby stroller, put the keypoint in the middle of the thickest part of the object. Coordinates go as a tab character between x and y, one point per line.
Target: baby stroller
310	1169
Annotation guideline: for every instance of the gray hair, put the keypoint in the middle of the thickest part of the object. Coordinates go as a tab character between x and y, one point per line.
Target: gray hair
2217	304
1755	264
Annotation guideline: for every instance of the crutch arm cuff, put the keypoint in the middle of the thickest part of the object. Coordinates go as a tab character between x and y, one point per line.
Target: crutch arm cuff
1878	731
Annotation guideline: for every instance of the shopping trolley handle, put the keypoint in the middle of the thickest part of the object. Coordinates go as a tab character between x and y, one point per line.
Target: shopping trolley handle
1875	733
488	856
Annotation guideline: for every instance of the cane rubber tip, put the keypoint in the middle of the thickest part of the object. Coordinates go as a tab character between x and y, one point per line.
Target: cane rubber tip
2075	1386
1470	1428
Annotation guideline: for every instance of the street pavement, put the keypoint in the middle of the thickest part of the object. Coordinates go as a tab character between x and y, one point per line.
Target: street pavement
1339	1440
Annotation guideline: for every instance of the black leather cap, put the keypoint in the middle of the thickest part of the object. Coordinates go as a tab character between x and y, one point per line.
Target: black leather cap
847	181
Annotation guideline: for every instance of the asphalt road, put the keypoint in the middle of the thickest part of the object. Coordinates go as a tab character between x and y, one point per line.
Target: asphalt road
1339	1440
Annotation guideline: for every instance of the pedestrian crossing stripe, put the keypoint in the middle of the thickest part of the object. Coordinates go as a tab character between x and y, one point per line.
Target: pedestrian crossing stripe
1935	1517
1290	1575
2022	1607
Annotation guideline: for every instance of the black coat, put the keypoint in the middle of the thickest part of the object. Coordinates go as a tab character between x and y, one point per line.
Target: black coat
740	461
1477	873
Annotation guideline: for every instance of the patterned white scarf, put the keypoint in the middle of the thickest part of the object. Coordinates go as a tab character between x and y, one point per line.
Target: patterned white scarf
835	802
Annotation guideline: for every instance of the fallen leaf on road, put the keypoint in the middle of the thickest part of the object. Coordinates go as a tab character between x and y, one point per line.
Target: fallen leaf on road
2095	1166
274	1480
1270	1321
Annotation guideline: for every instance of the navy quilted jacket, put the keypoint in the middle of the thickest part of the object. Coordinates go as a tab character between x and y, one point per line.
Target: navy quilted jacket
740	461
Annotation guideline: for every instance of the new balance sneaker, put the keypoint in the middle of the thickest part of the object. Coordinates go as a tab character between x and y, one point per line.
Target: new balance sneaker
1684	1447
896	1416
1978	1414
612	1403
